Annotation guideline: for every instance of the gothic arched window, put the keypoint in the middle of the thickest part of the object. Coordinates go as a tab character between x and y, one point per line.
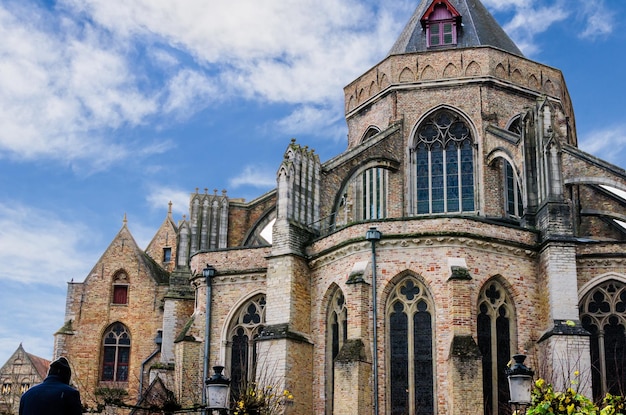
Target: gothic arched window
244	329
115	353
410	339
371	194
443	159
496	320
603	313
512	194
120	288
336	335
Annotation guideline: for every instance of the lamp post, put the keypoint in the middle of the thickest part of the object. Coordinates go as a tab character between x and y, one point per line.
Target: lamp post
208	272
373	235
520	383
217	391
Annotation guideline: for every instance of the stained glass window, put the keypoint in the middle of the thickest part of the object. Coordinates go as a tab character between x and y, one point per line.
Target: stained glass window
244	329
410	338
337	334
603	313
444	163
116	353
495	328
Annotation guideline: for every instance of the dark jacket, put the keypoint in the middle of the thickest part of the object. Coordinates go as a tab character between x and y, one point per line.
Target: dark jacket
52	397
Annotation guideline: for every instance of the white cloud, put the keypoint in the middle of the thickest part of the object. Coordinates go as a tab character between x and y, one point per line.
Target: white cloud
35	333
600	20
318	122
608	144
39	247
256	176
160	196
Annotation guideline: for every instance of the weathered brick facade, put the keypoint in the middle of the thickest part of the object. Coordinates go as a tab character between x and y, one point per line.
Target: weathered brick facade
546	257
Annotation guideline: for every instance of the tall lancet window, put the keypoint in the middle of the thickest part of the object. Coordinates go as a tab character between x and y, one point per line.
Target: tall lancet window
443	157
410	340
512	193
603	313
336	335
115	353
371	193
495	335
243	331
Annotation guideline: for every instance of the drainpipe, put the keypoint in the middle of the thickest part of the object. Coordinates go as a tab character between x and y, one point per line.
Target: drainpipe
208	272
373	235
158	340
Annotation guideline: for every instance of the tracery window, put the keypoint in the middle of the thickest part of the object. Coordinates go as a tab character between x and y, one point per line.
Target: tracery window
244	329
336	335
496	322
603	313
410	339
512	193
6	388
443	158
115	353
24	387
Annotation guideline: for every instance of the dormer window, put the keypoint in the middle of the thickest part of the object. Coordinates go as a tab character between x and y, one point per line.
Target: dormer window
441	21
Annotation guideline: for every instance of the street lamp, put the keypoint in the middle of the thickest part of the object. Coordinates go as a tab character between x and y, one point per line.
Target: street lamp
520	382
208	272
373	235
217	390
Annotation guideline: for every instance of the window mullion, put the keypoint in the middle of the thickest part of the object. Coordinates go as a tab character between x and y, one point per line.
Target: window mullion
411	361
445	178
494	362
430	181
602	358
459	169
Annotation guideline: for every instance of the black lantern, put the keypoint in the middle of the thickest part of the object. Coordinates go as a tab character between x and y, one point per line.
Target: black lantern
373	234
520	381
217	390
208	271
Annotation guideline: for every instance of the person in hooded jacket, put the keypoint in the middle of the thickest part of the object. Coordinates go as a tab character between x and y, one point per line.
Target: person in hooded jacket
54	396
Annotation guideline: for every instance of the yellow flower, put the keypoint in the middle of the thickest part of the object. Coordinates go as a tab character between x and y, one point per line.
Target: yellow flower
576	373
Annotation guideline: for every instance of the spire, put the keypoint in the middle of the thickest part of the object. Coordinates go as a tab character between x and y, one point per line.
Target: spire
475	27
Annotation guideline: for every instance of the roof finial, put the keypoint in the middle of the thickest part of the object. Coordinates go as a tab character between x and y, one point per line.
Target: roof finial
169	208
125	221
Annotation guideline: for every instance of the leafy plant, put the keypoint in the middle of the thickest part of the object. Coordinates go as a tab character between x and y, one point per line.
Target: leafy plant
261	400
545	401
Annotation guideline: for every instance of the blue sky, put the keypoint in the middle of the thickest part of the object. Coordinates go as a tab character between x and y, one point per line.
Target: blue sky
113	107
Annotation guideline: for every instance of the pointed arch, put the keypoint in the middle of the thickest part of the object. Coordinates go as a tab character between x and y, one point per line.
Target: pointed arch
603	314
336	336
428	73
451	71
410	345
119	288
406	76
473	69
116	348
244	325
443	163
496	332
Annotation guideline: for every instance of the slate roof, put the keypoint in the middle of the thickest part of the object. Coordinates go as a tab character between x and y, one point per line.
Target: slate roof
478	28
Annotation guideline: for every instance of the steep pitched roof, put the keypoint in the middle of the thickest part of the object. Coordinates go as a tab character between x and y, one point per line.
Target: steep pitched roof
126	240
479	28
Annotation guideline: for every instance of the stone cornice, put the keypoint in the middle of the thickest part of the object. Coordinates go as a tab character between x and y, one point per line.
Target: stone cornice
415	241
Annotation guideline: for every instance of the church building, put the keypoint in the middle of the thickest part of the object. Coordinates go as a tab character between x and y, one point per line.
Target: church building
462	225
